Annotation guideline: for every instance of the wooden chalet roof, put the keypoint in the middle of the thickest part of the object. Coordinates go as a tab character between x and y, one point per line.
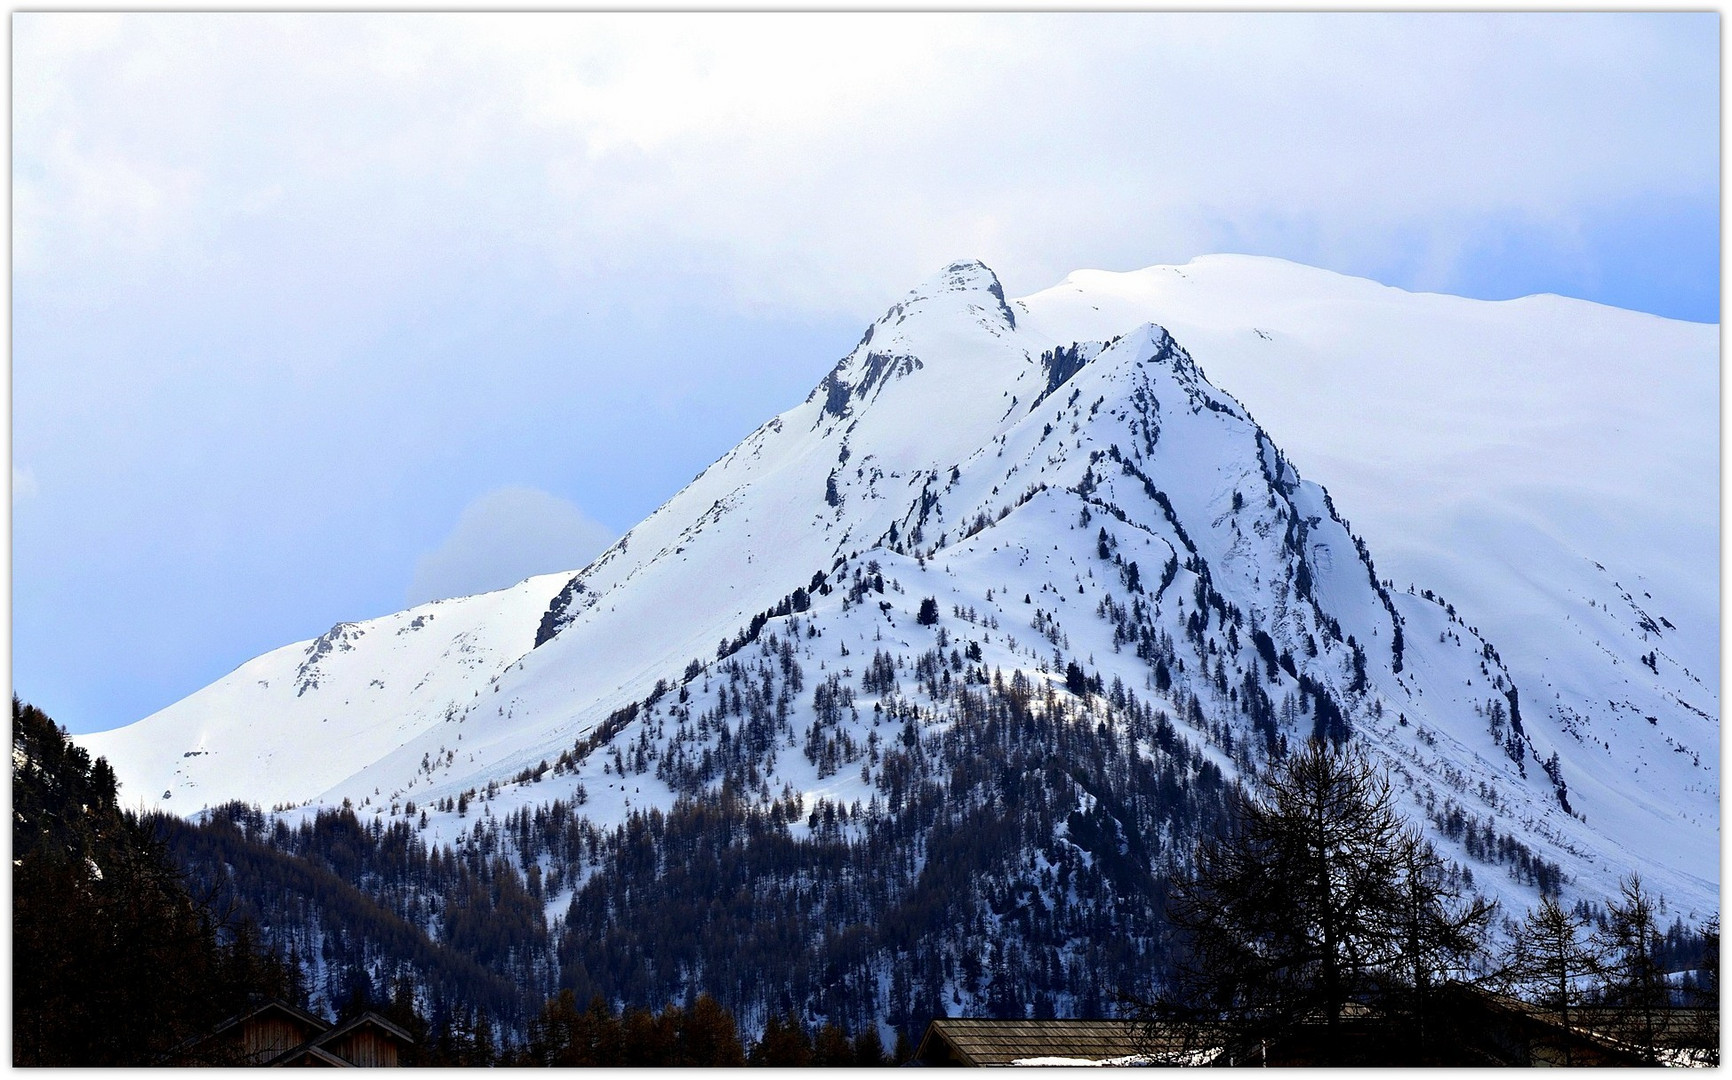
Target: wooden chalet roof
366	1019
309	1054
1680	1035
320	1048
1494	1029
273	1005
1673	1027
248	1037
970	1041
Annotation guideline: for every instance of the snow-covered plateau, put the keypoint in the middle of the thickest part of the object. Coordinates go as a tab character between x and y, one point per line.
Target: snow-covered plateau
1499	573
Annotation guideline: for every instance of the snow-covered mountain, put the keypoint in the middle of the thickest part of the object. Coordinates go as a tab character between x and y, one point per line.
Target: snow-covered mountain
1521	621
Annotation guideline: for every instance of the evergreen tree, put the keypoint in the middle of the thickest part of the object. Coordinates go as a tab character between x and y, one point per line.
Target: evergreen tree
784	1042
1315	897
486	1049
1703	993
1635	979
553	1040
596	1037
708	1035
113	961
402	1011
869	1048
1440	935
646	1039
1707	981
833	1046
905	1048
1550	961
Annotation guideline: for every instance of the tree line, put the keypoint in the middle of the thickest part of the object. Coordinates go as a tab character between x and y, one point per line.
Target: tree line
118	962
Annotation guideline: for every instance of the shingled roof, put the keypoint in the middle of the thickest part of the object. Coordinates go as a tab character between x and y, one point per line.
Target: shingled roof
1476	1028
969	1041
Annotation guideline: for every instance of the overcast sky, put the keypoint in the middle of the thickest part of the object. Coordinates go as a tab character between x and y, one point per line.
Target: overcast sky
315	316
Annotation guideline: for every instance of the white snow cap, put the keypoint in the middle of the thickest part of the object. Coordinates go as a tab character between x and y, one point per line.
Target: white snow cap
1548	466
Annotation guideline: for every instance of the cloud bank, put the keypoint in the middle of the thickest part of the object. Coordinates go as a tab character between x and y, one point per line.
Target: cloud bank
503	537
820	160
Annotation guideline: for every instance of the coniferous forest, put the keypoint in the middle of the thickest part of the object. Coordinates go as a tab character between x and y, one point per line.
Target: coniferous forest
711	934
114	960
1009	857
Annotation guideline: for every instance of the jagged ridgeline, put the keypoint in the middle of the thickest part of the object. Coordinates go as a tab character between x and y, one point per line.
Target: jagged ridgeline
913	703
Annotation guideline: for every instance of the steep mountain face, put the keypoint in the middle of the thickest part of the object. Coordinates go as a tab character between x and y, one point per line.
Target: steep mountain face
1008	548
1548	465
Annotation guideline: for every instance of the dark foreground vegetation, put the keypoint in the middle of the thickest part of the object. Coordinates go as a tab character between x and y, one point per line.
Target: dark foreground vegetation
113	961
1320	923
1301	914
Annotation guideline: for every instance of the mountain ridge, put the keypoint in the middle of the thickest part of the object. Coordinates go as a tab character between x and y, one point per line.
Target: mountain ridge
900	463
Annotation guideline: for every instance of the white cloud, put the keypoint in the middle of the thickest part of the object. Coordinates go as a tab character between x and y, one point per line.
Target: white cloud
503	537
826	160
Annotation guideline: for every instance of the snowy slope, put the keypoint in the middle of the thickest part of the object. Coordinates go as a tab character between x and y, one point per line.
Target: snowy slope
1060	477
1495	452
288	724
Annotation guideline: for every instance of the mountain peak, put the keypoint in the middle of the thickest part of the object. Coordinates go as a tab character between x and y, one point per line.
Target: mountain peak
963	297
965	276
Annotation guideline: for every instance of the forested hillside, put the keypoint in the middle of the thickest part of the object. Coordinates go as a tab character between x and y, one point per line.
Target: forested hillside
114	960
1007	855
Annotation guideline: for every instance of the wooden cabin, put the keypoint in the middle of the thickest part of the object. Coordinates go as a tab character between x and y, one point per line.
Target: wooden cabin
267	1031
275	1033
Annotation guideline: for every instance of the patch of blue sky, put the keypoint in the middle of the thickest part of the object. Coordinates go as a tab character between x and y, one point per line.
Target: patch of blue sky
1659	254
271	485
